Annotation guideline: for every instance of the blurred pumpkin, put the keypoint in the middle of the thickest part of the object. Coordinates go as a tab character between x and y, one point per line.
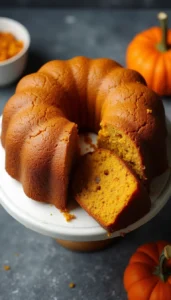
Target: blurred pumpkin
150	54
148	274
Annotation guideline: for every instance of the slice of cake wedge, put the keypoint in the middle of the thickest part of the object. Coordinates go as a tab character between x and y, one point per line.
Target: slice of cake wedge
109	191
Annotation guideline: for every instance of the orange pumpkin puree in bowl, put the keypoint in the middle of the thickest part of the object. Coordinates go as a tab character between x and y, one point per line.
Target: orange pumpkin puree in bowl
9	46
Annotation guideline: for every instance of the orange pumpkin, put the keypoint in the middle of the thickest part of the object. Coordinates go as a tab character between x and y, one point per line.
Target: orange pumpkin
149	53
148	274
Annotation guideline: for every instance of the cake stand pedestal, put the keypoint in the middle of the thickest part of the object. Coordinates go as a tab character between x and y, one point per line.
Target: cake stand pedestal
83	233
86	246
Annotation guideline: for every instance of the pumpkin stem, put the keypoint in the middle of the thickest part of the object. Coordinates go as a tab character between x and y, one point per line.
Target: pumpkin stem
161	270
163	18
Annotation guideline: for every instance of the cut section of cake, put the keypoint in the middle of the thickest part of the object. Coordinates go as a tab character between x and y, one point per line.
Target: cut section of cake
109	191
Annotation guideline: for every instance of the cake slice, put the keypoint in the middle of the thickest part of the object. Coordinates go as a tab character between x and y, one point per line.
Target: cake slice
109	191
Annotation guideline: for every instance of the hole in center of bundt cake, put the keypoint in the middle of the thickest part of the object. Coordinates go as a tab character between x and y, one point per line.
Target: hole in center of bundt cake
87	142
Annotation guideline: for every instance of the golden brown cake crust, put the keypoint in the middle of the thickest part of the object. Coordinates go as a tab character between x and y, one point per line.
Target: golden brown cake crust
79	91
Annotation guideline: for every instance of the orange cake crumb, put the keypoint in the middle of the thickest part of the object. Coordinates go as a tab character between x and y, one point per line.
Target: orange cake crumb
6	267
72	285
149	111
68	217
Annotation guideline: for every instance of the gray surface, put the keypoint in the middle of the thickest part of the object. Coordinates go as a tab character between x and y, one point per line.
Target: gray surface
43	269
89	3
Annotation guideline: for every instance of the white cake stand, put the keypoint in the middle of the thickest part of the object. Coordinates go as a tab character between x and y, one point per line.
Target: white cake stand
48	220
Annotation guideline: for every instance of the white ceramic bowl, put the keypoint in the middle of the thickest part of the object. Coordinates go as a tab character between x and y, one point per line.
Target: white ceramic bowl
12	68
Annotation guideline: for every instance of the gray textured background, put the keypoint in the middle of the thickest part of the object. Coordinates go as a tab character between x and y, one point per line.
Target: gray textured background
90	3
42	269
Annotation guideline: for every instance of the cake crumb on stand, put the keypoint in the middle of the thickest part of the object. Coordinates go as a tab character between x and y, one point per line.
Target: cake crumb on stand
68	216
122	234
109	234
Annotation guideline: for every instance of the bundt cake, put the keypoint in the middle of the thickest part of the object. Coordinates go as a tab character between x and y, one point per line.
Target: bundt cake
109	191
39	127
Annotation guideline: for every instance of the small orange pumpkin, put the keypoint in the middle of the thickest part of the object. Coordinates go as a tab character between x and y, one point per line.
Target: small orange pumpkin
149	53
148	274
